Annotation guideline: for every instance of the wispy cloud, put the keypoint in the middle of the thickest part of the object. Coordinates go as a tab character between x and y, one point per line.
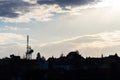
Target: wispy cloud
107	37
64	3
90	45
11	43
36	13
13	28
8	38
38	10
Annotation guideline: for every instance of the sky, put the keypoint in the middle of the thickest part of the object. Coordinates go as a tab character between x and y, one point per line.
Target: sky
59	26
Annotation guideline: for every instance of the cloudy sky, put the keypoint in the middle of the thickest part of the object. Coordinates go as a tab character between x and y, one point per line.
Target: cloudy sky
60	26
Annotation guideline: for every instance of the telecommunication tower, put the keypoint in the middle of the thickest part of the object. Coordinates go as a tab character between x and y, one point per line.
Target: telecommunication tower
29	50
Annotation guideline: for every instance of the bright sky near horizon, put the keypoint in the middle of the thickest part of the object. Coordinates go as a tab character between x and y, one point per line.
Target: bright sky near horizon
60	26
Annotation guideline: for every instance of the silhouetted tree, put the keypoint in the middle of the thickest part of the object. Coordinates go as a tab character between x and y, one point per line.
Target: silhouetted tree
116	54
43	58
101	55
38	56
62	55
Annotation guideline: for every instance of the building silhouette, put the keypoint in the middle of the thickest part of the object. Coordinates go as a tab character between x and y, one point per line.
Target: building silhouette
70	67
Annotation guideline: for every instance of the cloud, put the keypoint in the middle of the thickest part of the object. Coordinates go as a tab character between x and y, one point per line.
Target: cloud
64	3
38	10
100	38
11	8
31	1
89	45
34	13
11	43
13	28
8	38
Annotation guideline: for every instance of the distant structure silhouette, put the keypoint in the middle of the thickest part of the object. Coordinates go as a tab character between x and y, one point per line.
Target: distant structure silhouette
29	50
73	66
38	56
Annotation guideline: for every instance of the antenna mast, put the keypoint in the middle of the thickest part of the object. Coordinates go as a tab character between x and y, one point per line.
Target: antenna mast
29	50
27	42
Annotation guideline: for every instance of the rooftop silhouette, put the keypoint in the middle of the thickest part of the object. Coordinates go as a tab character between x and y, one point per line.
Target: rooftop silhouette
73	66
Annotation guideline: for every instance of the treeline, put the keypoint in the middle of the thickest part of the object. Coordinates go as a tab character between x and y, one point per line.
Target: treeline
70	67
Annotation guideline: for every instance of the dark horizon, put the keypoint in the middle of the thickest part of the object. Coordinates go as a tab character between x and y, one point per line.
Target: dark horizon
70	67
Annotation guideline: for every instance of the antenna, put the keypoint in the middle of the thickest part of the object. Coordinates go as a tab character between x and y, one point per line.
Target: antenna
29	50
27	43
